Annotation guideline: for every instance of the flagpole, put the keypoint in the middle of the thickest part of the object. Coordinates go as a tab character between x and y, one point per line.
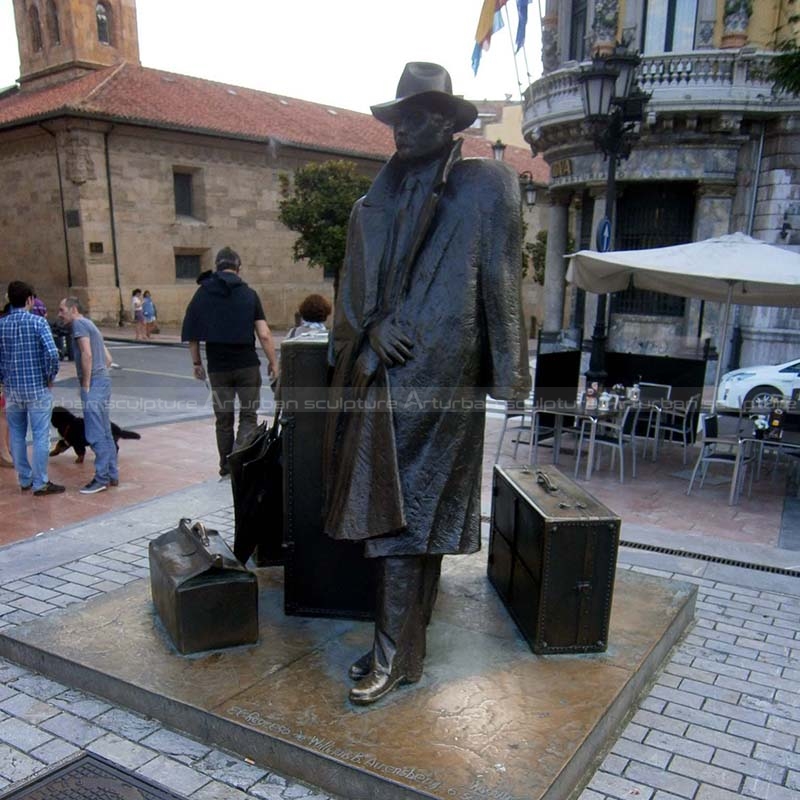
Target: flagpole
513	53
527	68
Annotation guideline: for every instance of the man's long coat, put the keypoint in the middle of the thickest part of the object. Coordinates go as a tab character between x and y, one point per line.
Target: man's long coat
405	472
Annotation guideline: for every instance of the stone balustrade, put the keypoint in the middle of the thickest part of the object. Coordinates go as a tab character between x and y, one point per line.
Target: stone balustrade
722	80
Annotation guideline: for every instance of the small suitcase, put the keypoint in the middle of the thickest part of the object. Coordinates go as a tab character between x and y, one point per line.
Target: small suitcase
552	559
203	595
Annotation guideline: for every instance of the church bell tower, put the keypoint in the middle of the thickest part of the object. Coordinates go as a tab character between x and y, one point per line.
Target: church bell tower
63	39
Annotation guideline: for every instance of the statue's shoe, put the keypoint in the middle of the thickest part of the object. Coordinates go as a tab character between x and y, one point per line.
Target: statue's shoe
361	667
373	687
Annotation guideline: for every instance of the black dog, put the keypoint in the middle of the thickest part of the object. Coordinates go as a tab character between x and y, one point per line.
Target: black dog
73	434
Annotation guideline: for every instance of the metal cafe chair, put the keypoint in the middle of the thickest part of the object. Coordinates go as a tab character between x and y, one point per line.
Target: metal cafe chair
613	434
653	396
514	410
734	452
676	425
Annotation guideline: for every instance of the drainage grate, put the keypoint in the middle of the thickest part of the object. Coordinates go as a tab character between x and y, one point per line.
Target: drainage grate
90	777
729	562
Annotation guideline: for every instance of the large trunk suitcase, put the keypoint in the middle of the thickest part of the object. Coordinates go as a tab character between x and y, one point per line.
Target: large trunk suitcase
322	577
204	597
552	559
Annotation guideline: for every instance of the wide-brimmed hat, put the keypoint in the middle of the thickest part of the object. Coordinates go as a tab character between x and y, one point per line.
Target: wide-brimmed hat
429	85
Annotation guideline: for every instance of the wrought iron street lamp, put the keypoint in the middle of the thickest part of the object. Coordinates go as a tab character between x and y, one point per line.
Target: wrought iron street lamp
612	106
528	188
498	150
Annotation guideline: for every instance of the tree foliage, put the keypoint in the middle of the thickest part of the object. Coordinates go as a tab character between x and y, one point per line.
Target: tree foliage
317	205
535	254
785	68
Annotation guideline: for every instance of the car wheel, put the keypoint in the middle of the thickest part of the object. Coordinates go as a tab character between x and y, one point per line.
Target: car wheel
761	398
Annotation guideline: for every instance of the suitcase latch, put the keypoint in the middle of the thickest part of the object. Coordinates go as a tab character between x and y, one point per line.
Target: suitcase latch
584	587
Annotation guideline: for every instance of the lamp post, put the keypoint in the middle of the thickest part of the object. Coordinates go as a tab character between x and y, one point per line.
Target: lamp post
528	188
612	106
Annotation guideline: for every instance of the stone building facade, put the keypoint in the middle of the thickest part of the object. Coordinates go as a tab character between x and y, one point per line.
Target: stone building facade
719	151
114	176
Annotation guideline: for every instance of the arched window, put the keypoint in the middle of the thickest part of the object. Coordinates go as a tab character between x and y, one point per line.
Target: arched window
103	23
36	28
53	30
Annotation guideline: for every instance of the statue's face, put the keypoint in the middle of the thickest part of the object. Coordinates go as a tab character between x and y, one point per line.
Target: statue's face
422	133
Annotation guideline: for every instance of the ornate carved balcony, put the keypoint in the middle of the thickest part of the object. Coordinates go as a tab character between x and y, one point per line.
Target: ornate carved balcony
720	82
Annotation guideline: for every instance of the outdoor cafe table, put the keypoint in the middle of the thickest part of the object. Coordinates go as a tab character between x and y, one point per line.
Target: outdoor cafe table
583	415
789	442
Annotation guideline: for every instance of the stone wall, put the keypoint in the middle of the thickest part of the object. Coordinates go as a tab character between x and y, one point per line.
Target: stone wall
237	191
236	188
31	231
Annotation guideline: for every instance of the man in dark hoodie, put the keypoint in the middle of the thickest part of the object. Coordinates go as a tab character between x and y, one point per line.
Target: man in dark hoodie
225	313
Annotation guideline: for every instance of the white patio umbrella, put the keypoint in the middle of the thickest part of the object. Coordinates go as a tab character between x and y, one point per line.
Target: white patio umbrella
729	269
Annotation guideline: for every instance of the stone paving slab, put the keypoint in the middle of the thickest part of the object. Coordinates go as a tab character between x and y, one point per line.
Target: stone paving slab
731	734
488	716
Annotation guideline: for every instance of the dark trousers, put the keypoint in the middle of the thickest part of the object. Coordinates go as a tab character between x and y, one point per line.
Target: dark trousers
226	386
407	589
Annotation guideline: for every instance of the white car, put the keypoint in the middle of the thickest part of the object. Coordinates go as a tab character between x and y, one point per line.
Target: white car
756	386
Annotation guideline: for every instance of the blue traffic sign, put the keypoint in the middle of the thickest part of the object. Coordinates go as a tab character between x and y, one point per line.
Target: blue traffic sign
603	241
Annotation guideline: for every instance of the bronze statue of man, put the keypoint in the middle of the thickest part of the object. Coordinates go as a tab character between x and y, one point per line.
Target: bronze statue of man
428	320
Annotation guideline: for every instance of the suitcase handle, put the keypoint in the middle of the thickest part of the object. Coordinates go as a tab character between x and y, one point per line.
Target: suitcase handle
200	531
543	479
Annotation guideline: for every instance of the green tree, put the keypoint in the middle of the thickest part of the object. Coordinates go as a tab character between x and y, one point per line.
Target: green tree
785	68
317	205
535	253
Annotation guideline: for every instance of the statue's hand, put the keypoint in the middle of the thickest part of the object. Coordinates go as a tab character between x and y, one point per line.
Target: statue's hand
390	343
365	369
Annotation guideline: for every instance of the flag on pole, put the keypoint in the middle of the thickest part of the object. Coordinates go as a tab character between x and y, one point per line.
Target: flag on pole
522	10
489	22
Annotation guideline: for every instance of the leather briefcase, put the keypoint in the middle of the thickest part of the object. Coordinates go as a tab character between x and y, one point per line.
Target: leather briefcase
257	486
203	595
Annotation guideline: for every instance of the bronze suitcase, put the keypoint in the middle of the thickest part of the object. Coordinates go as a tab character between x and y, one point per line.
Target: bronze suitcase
203	595
322	577
552	559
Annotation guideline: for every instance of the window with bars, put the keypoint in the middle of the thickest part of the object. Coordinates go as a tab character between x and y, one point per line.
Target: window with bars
653	215
187	266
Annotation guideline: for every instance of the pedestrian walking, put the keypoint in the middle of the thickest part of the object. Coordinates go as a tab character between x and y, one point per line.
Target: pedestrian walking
92	361
227	315
28	366
137	314
149	312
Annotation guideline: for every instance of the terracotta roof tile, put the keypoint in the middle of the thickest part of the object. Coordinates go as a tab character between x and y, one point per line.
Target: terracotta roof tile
152	97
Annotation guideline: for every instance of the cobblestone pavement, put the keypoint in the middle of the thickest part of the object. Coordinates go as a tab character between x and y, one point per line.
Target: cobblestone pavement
721	721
